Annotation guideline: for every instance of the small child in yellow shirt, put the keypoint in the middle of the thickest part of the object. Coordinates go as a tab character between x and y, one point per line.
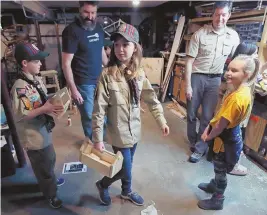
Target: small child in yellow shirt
224	128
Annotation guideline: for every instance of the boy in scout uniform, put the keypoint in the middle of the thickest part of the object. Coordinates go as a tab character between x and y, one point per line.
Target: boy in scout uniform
34	124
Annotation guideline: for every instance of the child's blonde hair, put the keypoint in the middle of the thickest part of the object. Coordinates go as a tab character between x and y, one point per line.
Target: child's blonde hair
134	63
251	67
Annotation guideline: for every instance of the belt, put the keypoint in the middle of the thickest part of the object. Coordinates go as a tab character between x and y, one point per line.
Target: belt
209	75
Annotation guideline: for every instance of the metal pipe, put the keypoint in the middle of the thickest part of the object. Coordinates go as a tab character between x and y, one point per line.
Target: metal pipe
5	99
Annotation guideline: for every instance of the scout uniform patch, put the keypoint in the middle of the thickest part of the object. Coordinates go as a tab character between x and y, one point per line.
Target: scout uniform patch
29	97
21	91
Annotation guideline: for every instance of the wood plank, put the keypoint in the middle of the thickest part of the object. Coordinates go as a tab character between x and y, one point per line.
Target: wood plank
254	133
182	97
153	68
262	48
177	113
177	81
233	16
264	45
181	109
164	85
248	13
245	20
175	46
176	86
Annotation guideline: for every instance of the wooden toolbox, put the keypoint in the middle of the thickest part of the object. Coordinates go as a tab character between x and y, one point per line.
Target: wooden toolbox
62	97
107	163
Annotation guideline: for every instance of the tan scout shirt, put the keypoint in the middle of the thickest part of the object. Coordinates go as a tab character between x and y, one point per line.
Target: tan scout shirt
32	133
211	49
123	117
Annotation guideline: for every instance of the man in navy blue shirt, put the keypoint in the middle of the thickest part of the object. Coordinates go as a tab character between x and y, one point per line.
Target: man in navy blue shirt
83	55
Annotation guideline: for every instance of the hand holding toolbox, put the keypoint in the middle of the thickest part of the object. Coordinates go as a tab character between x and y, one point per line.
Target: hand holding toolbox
107	163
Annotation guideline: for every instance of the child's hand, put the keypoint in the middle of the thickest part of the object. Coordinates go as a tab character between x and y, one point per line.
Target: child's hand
165	130
205	134
99	146
52	109
204	137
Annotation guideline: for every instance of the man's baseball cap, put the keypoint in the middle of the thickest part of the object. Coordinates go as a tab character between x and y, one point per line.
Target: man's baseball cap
129	32
28	51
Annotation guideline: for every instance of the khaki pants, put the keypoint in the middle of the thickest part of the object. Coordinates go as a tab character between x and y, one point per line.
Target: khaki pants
43	164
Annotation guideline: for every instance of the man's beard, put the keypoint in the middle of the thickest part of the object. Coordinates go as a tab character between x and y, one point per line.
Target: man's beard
88	24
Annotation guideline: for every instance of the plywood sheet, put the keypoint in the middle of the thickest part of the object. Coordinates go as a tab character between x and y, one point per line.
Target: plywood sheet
153	68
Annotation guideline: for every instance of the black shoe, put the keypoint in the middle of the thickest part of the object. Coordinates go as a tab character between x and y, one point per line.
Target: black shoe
55	202
215	203
208	187
103	194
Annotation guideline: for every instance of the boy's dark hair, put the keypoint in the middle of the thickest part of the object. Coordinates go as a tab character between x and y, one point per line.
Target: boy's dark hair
94	3
223	4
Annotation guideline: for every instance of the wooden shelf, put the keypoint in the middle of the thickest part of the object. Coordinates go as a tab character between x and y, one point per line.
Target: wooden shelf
245	20
233	16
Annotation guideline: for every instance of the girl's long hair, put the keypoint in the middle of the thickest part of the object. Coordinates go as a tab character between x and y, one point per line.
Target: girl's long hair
251	67
134	63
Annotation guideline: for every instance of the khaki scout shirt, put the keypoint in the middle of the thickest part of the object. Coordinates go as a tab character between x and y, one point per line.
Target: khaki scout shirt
123	118
211	49
32	133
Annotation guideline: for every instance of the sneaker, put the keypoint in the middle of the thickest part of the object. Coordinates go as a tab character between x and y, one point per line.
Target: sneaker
208	187
55	202
103	194
60	181
195	157
134	198
239	170
215	203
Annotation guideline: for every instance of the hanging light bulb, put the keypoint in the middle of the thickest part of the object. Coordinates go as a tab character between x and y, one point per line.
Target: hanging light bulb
136	2
105	20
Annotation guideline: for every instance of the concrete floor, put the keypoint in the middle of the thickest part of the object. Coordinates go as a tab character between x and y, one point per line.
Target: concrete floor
161	174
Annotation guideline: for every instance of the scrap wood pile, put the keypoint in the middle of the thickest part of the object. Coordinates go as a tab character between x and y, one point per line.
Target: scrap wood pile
177	109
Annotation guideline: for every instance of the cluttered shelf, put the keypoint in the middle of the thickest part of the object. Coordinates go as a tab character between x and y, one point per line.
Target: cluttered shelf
233	16
249	29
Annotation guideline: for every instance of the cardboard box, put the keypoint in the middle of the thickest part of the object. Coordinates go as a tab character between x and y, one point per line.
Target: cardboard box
106	163
62	97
